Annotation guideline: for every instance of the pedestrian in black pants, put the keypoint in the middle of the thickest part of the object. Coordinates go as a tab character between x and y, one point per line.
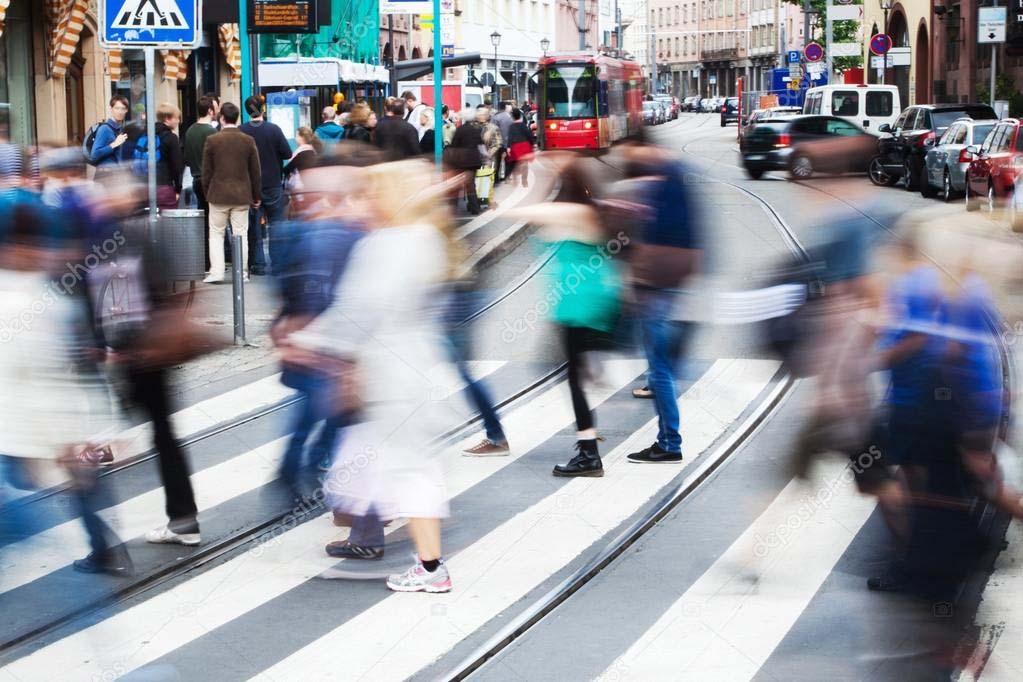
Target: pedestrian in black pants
195	144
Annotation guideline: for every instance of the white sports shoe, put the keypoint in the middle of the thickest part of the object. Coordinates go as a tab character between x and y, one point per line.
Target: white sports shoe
213	279
165	536
418	579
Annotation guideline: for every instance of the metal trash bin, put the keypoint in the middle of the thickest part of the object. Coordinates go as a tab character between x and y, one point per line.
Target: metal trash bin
180	242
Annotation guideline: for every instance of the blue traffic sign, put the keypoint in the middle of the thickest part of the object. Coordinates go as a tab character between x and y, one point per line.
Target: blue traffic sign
793	57
151	23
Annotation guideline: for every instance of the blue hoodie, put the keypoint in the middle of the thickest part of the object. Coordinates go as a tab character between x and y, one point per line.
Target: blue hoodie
331	133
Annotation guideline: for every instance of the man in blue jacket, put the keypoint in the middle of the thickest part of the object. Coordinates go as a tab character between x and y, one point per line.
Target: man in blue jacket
330	131
106	148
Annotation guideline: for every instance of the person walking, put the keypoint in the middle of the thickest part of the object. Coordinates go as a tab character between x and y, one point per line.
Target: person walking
521	141
413	111
330	131
305	158
274	152
107	145
426	142
503	120
361	122
195	145
463	157
232	179
396	136
449	127
667	254
587	306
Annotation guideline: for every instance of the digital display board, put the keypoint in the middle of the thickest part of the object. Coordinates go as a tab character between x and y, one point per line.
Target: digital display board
282	16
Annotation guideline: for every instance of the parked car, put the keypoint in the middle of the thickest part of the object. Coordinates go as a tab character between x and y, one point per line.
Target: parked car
691	103
995	165
669	104
868	106
805	145
710	104
901	153
945	163
651	116
730	111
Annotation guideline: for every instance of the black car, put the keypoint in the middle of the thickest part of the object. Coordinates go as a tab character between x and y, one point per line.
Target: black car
804	145
730	111
901	154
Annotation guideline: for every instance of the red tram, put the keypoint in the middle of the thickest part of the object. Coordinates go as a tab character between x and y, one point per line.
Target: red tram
588	101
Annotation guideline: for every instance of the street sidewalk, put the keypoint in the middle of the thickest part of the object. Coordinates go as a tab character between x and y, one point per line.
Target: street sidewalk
486	238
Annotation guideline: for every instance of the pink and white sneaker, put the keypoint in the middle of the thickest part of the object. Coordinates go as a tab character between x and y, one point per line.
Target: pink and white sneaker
418	579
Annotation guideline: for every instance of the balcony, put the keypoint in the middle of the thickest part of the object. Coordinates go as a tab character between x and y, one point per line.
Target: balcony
721	55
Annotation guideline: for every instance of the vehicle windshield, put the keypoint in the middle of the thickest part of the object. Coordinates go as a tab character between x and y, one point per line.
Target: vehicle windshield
943	119
649	105
571	92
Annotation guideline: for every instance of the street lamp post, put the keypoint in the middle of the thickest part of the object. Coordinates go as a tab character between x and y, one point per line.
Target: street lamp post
545	45
495	39
886	6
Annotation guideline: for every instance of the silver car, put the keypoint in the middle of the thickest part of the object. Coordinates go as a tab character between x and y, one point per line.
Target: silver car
945	163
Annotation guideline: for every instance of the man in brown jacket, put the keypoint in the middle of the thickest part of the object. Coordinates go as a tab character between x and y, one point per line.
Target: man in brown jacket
231	180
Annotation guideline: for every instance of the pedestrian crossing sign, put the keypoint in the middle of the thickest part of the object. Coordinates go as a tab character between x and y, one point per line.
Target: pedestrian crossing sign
151	23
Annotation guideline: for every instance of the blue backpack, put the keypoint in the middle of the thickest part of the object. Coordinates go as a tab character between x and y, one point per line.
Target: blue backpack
140	155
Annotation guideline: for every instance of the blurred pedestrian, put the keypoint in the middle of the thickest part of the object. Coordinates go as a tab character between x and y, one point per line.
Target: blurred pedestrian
232	182
306	157
382	325
449	125
667	254
464	157
195	145
586	287
503	120
361	122
330	131
396	136
426	142
272	208
107	144
169	162
521	141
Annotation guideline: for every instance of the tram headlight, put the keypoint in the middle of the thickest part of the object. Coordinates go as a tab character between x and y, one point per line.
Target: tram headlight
587	125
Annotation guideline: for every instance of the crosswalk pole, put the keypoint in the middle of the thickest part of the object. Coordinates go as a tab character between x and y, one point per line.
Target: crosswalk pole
238	289
151	128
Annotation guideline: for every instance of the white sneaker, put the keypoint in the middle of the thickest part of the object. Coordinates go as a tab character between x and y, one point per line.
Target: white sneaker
213	279
245	278
418	579
165	536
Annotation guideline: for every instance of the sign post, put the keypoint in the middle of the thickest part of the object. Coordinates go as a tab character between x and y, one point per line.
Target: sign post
150	25
991	29
438	86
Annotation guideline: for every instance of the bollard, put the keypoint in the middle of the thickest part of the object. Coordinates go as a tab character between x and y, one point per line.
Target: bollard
238	289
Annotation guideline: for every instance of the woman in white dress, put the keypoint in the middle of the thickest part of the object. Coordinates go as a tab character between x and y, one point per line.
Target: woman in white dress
385	322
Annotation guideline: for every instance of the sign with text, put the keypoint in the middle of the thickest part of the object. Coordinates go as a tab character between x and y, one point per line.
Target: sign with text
282	16
991	24
406	7
845	49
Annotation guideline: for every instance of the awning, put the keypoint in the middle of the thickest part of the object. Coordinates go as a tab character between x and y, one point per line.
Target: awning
4	4
314	71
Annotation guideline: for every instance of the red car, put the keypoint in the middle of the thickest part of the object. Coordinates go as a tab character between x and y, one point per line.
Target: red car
994	166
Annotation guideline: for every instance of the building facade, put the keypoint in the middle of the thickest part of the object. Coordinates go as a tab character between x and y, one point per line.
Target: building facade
908	22
576	25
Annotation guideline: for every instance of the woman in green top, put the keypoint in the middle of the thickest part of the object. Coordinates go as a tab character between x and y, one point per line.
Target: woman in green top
583	295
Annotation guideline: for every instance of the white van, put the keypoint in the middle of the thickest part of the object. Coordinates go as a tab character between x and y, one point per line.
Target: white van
868	106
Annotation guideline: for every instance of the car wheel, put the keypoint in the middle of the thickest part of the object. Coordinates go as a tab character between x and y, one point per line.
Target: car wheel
801	167
877	174
970	205
908	177
946	187
723	123
754	172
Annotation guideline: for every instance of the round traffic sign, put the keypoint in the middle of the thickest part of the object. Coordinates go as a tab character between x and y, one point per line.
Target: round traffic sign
813	52
880	43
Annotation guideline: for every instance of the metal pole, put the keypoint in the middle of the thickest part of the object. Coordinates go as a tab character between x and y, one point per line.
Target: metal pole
806	21
390	39
884	57
495	91
238	289
994	57
244	46
829	38
438	86
151	128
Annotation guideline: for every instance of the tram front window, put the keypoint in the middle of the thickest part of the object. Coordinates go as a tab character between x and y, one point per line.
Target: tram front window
571	92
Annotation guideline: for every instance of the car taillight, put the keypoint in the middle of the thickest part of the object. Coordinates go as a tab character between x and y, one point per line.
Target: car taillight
965	156
724	110
922	140
784	140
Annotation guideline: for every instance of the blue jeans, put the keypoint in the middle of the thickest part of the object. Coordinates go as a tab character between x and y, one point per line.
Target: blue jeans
662	339
480	397
274	207
311	412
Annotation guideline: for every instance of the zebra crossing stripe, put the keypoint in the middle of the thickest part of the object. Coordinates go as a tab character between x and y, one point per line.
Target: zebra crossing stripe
143	14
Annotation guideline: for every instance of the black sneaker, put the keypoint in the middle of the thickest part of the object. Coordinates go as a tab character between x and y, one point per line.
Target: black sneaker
113	562
655	455
346	550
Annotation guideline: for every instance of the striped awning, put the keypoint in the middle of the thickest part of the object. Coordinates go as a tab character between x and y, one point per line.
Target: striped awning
67	19
115	64
4	4
175	64
230	45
